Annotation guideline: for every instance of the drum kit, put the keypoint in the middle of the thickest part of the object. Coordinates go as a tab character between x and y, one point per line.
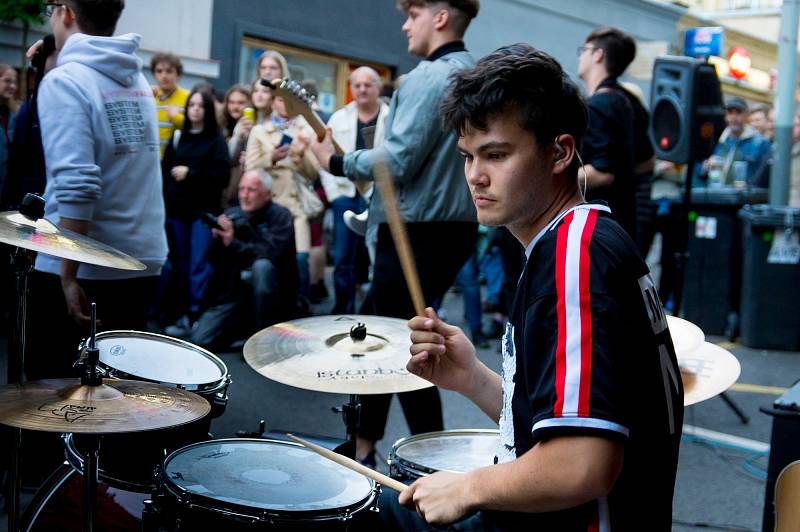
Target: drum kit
158	395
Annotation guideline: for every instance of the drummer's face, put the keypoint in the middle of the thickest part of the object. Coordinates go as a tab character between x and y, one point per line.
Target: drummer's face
508	175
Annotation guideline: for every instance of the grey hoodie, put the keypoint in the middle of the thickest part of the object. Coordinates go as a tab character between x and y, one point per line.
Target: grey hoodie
100	137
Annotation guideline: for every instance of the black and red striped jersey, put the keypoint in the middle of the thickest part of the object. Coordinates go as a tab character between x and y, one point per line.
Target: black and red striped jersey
587	351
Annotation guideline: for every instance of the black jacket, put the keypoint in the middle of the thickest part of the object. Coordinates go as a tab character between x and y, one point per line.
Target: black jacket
207	157
265	234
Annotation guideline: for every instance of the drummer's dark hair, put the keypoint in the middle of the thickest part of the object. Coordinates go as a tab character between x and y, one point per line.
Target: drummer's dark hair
523	81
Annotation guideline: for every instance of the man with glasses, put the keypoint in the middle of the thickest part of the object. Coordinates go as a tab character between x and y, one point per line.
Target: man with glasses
99	131
609	145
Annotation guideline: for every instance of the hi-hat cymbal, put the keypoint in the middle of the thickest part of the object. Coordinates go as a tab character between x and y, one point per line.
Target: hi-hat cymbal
686	336
45	237
320	354
65	405
707	371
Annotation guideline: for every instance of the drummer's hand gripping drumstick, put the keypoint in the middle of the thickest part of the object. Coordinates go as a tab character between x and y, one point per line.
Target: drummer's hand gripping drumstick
385	184
351	464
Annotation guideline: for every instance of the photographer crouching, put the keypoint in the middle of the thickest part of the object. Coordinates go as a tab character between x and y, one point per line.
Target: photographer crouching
255	281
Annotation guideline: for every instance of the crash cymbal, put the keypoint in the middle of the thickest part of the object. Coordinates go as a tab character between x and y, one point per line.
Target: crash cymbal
686	336
320	354
45	237
707	371
65	405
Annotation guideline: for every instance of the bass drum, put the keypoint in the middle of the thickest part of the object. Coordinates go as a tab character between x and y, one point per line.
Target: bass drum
129	461
58	506
248	484
457	451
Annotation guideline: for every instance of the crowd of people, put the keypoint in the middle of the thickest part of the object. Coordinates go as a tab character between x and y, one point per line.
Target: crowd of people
224	196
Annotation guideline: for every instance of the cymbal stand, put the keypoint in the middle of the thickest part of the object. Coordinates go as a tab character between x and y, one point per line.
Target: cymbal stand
91	377
351	411
351	415
22	262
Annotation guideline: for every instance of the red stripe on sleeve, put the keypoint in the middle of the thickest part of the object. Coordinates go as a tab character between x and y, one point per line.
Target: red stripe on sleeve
561	310
586	315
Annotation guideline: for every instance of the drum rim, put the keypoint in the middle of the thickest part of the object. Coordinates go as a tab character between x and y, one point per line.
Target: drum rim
186	498
408	467
206	387
75	460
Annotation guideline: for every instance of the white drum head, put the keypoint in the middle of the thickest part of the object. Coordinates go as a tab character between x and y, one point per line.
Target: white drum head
265	475
458	451
157	358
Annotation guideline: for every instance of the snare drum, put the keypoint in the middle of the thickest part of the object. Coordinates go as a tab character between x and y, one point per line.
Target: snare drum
129	461
458	451
246	484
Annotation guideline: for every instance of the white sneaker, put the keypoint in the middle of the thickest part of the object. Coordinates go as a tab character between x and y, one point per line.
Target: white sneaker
357	223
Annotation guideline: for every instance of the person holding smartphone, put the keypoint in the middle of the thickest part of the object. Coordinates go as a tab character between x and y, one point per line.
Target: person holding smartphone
195	169
280	146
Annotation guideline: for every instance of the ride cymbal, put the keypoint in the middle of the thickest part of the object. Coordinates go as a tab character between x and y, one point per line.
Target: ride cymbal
321	354
707	371
66	405
686	336
43	236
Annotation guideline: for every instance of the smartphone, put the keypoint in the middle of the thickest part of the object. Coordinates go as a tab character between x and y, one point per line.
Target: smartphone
210	220
285	139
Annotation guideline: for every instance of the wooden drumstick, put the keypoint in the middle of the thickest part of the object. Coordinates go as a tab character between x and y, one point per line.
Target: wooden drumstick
385	184
380	478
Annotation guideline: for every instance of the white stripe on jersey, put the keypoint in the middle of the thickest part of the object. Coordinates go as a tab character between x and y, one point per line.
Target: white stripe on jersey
572	305
581	422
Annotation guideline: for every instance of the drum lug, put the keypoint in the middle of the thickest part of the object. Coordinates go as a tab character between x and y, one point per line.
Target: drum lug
374	506
150	516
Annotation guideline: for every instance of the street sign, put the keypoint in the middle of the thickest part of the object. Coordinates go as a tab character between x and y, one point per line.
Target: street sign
703	42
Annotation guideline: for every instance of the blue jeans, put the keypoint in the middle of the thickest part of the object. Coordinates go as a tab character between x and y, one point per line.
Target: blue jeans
345	248
467	279
491	269
220	319
191	240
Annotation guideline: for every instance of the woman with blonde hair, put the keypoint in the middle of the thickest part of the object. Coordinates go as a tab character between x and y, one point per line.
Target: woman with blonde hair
279	146
272	65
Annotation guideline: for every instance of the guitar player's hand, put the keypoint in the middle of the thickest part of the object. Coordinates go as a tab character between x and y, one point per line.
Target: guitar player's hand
323	149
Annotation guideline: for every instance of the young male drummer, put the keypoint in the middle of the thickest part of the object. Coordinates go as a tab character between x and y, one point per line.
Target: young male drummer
590	403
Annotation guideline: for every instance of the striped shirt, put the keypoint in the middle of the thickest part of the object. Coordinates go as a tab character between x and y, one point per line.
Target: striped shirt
587	351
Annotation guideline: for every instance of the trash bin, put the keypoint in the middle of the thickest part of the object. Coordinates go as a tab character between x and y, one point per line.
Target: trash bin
770	309
785	412
712	276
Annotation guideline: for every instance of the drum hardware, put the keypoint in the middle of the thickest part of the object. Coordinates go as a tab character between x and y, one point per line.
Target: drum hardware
128	461
29	232
457	451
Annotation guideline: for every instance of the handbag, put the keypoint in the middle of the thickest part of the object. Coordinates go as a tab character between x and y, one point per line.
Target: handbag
309	201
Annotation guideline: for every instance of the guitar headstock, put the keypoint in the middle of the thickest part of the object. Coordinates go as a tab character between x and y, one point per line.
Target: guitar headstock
297	100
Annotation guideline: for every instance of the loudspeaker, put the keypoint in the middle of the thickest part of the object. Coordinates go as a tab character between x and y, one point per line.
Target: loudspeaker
687	114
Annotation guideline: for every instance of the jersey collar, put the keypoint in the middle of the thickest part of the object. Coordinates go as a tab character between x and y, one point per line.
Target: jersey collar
555	221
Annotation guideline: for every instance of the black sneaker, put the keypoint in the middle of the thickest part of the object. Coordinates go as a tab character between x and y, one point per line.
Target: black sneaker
369	460
318	292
